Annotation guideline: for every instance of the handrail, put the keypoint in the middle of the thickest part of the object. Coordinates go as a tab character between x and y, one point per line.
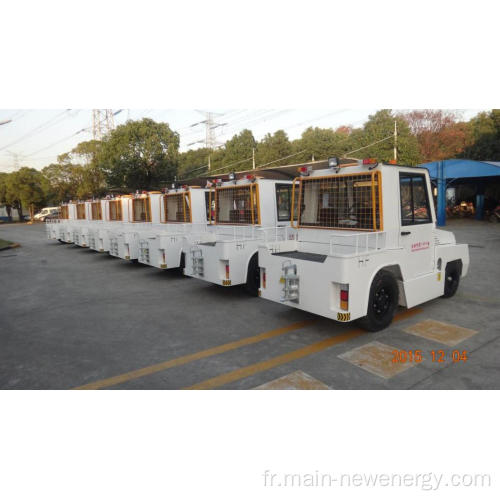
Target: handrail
356	241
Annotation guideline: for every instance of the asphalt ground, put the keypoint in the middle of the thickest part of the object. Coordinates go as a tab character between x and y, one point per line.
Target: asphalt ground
74	318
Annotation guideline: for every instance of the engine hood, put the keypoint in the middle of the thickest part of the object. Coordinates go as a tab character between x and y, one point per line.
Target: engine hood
444	237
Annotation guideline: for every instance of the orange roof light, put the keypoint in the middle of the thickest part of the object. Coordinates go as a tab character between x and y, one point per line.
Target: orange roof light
370	161
304	170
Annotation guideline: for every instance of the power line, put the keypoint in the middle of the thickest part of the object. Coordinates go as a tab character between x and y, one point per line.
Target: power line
279	159
372	144
59	141
43	126
192	171
231	165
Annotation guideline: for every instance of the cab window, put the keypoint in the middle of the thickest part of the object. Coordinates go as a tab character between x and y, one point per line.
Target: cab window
284	202
414	199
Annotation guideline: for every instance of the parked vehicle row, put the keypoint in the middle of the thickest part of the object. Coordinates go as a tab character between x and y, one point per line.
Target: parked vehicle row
349	242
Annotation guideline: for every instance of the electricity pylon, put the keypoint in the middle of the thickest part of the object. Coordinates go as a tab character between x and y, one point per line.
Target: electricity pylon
103	122
210	126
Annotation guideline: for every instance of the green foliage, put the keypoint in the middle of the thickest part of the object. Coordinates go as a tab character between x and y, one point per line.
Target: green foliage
3	187
321	143
145	154
26	187
239	148
381	125
139	155
484	130
68	181
191	161
273	147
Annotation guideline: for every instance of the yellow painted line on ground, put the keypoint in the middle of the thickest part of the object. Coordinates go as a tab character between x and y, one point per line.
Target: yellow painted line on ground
149	370
247	371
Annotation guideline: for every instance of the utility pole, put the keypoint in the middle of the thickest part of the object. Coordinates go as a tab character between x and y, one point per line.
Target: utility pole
209	166
253	158
103	122
395	141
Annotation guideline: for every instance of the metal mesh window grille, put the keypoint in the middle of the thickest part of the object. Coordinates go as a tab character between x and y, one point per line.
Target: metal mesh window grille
96	210
141	210
80	210
64	212
177	207
350	201
115	210
237	205
210	205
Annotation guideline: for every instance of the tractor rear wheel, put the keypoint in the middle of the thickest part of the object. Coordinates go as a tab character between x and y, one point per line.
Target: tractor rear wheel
382	303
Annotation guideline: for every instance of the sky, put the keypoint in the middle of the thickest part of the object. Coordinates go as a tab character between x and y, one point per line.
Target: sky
35	137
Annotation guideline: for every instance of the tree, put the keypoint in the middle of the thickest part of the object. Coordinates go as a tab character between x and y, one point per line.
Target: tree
321	143
239	148
62	181
191	163
93	181
139	154
439	133
377	134
272	147
484	134
3	194
26	187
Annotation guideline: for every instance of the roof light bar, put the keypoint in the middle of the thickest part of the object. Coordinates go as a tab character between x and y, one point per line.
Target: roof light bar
370	162
333	162
304	171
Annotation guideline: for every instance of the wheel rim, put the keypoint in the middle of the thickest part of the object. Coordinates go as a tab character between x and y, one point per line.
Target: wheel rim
451	279
381	301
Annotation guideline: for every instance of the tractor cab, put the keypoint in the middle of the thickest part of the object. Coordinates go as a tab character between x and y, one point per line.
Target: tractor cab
183	218
366	231
246	211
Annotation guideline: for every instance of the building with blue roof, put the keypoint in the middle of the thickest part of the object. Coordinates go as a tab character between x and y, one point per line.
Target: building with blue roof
479	176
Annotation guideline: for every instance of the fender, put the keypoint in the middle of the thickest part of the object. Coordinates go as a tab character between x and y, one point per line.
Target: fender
248	263
366	294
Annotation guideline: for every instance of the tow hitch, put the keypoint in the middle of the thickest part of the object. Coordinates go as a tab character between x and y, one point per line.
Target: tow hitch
290	281
197	259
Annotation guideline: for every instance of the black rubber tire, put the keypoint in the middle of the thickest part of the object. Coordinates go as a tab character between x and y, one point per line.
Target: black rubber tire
182	264
382	302
452	275
253	276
